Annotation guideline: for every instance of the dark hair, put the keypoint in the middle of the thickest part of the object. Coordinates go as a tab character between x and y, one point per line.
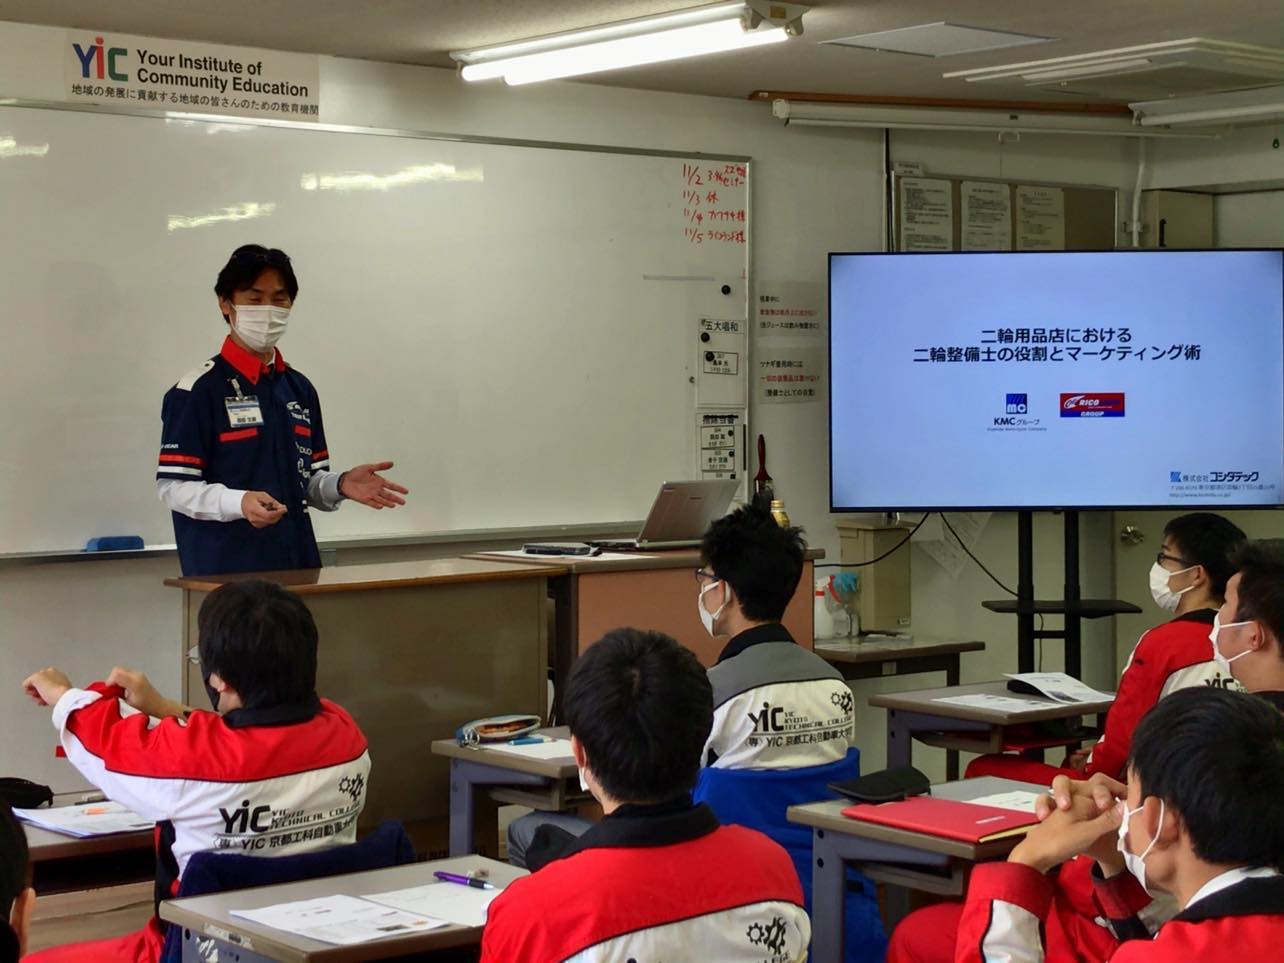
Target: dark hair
13	877
261	641
759	559
1207	540
1217	757
246	264
642	707
1261	584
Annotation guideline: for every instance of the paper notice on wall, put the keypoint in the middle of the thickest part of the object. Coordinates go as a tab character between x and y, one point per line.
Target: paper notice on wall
926	214
943	547
790	374
720	441
102	67
986	213
1041	219
791	309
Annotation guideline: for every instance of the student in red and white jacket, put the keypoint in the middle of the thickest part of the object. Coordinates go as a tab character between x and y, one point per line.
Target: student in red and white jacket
657	878
1201	820
273	771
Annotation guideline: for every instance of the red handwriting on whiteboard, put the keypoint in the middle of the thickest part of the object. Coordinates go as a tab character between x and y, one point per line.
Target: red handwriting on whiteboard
691	174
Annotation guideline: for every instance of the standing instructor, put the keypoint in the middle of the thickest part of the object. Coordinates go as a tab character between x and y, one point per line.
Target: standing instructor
243	451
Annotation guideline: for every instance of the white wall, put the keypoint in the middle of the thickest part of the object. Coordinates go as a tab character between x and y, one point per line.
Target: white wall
1244	156
813	191
1249	220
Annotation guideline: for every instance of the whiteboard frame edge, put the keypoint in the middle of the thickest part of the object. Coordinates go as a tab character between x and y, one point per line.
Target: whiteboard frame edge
409	133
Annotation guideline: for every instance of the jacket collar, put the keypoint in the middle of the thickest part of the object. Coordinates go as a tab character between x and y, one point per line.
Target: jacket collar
286	714
1204	616
770	632
1262	896
249	366
638	825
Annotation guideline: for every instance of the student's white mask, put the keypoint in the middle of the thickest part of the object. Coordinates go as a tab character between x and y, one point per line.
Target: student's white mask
1223	663
261	326
1137	863
709	619
1165	597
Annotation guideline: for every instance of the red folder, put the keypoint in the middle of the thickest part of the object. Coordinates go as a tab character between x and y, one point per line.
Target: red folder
947	818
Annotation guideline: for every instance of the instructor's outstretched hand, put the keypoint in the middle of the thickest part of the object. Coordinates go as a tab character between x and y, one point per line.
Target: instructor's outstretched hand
364	484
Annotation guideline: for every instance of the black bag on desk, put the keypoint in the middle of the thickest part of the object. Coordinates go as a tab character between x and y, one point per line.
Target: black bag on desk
24	794
889	785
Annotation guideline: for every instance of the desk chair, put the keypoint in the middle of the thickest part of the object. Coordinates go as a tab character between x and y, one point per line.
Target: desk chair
759	798
215	872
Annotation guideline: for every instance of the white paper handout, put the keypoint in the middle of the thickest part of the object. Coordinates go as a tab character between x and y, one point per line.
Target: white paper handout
549	749
1060	687
997	703
343	920
462	905
1018	800
96	819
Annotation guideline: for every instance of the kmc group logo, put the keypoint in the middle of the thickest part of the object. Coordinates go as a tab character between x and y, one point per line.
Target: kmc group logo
101	59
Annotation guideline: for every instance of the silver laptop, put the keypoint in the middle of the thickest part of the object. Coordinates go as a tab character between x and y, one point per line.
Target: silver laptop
679	516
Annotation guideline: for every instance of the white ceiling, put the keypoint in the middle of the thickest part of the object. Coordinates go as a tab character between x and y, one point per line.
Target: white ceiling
423	31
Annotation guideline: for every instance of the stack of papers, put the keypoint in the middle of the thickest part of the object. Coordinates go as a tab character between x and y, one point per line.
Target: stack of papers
346	920
997	703
98	819
1018	800
548	749
1060	687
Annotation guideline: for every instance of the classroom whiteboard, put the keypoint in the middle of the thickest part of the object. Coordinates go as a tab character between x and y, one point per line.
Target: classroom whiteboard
514	325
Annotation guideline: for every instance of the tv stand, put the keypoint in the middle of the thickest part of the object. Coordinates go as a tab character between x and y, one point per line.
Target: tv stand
1072	607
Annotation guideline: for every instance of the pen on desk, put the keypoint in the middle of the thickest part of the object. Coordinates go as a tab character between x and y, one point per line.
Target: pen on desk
462	880
527	741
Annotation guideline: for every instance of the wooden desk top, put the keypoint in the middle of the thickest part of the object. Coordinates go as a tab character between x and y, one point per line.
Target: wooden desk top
211	915
921	700
639	561
856	651
563	768
354	578
829	816
43	845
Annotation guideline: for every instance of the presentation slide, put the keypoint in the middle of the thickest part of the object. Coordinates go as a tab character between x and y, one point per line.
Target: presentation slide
1047	380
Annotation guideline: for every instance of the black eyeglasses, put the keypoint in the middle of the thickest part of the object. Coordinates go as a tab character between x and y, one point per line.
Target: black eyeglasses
1164	557
701	575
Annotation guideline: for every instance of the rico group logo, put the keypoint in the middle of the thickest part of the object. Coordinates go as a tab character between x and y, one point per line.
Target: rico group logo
1017	405
1097	404
99	61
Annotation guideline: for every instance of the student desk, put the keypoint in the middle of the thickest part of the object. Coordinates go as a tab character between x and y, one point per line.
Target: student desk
412	649
900	858
916	715
549	783
209	917
879	657
648	590
60	862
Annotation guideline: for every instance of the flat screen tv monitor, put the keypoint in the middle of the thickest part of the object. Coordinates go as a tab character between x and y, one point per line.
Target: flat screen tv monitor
1048	380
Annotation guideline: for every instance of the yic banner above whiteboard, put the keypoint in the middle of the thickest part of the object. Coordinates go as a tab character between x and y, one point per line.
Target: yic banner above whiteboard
174	75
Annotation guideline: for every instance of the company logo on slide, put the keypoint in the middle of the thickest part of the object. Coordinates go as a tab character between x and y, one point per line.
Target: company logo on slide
1093	405
1017	405
100	61
1174	477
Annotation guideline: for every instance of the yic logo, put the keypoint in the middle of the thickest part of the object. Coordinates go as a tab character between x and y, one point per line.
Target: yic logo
1017	405
1093	405
243	818
768	720
101	57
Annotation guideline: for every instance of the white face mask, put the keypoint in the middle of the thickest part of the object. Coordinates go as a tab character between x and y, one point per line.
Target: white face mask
1164	597
260	325
710	619
1137	864
1224	663
584	786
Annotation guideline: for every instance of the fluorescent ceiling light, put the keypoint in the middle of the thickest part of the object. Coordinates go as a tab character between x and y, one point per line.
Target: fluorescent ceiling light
940	39
994	121
1259	106
689	33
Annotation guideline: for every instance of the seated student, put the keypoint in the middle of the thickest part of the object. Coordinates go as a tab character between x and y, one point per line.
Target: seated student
1201	820
1188	578
657	878
17	900
1247	637
272	771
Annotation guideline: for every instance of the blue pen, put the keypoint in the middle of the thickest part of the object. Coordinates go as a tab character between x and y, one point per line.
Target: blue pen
527	741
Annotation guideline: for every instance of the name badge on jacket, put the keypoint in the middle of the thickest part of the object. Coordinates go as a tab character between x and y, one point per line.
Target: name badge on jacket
243	412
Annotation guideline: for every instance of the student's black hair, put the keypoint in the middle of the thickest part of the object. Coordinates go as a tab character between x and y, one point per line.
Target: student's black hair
246	264
13	877
1261	584
1217	758
642	707
1209	540
759	559
260	640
